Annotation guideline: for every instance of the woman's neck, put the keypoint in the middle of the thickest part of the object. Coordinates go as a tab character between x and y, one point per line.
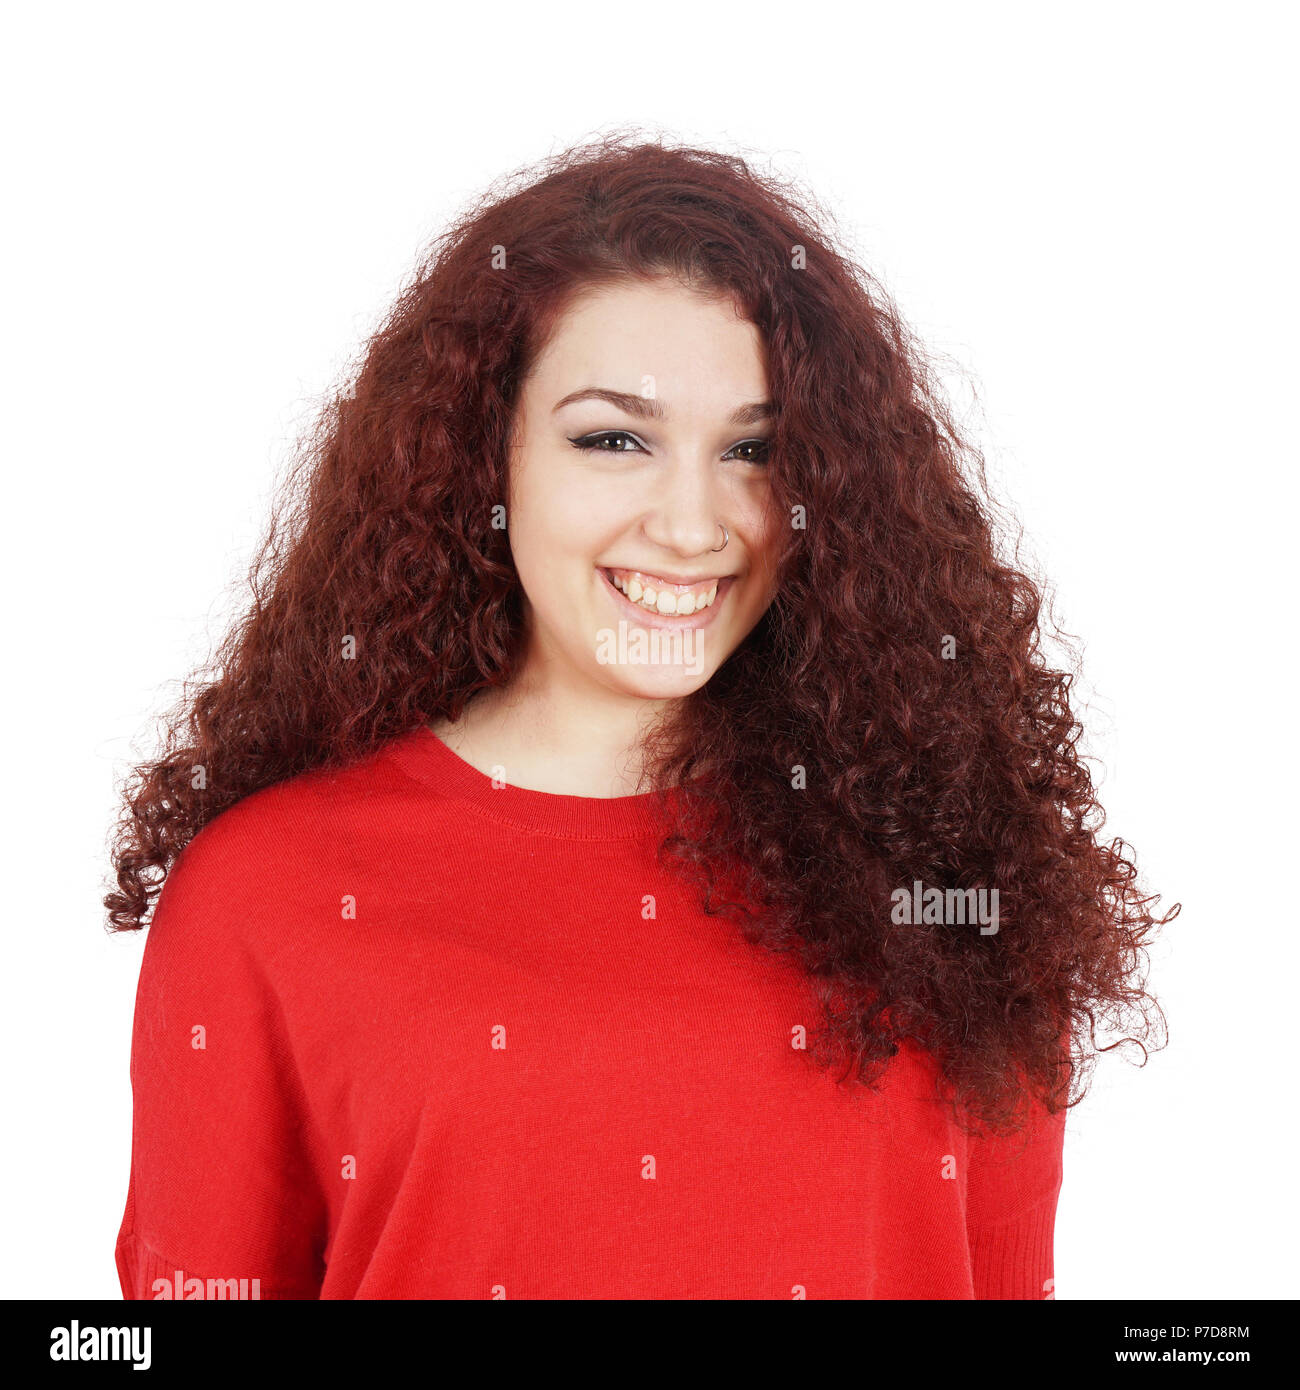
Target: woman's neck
540	739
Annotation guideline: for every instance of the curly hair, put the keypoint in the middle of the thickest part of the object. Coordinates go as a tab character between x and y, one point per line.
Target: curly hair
890	721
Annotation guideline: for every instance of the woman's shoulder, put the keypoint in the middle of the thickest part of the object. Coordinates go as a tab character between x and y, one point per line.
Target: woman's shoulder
280	845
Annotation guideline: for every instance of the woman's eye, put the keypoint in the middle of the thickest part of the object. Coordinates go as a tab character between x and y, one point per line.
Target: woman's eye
620	442
749	451
607	442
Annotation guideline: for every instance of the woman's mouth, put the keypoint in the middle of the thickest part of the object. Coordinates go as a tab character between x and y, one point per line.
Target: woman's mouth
666	603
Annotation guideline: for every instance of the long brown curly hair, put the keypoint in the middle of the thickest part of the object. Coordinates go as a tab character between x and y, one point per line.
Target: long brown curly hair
891	719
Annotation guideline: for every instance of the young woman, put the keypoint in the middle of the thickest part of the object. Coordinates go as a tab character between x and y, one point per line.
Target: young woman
633	847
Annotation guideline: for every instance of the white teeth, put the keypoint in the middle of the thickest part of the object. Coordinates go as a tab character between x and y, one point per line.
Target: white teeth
665	601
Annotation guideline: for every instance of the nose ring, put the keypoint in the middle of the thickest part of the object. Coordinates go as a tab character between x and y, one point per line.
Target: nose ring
726	536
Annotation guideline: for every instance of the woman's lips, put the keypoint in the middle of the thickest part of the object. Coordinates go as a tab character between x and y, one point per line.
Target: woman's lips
646	617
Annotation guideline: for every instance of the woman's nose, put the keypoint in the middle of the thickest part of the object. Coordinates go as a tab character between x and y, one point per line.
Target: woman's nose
687	509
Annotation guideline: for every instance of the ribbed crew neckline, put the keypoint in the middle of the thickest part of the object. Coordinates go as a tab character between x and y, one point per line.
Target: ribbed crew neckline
424	756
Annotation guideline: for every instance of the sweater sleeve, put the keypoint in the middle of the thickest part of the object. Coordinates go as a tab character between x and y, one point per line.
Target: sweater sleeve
221	1187
1011	1193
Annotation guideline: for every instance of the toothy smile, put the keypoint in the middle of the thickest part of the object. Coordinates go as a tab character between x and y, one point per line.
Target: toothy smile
662	595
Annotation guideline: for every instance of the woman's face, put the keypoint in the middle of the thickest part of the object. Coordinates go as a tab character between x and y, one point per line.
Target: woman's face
641	432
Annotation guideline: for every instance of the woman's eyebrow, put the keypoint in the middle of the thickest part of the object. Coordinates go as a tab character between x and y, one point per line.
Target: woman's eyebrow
648	408
753	414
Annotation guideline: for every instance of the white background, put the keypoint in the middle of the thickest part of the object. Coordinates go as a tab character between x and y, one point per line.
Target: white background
1085	211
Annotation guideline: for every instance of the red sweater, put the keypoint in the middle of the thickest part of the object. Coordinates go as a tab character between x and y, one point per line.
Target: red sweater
403	1034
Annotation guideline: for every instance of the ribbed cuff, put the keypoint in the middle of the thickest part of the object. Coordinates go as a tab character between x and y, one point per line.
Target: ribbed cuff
1015	1259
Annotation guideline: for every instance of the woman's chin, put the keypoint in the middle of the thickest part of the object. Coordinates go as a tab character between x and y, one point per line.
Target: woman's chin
656	661
655	682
